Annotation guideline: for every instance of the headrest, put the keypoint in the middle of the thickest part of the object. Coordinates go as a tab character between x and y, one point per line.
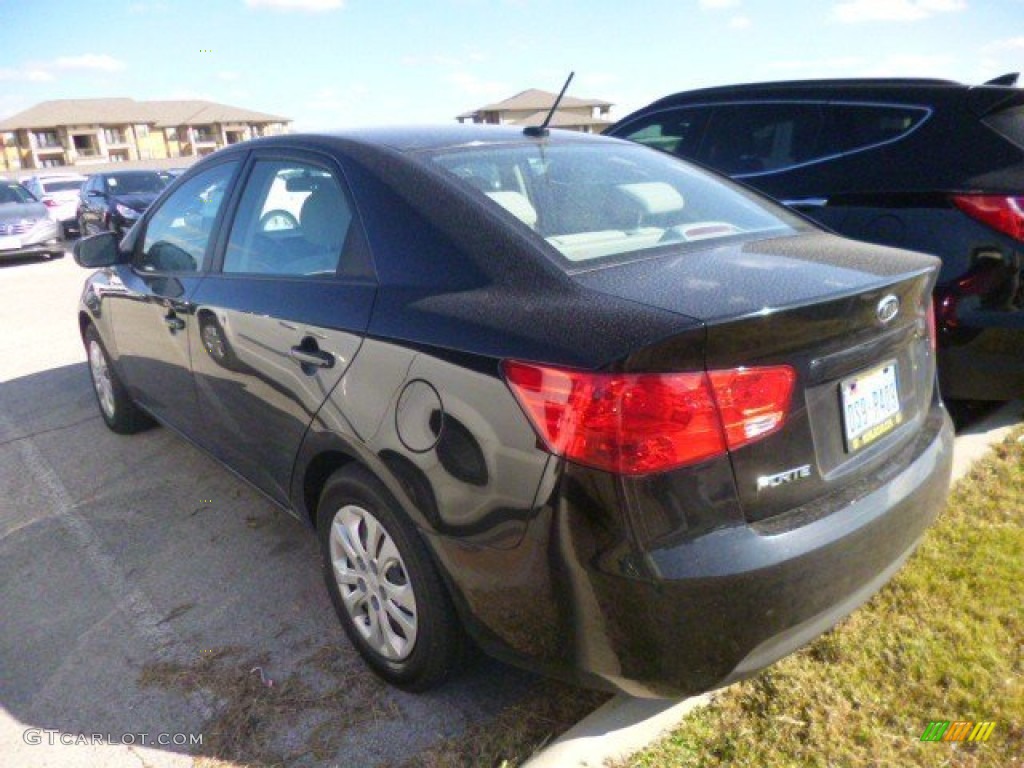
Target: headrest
516	204
654	197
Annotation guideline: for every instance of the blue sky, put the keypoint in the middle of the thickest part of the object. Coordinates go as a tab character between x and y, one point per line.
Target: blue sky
339	63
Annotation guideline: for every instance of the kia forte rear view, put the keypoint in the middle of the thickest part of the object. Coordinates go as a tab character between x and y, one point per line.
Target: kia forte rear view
602	413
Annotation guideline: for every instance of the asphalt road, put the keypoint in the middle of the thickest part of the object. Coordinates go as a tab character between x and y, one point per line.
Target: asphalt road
145	590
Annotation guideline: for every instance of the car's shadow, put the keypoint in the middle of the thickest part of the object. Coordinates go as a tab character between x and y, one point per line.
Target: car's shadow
146	590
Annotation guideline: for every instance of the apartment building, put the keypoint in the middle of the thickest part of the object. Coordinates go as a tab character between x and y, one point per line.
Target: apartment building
82	132
531	107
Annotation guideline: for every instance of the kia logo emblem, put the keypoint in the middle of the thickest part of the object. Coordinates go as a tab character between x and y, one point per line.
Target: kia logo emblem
887	309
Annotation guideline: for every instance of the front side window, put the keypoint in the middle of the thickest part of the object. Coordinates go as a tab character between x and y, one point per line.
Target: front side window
179	231
293	219
605	200
744	139
675	130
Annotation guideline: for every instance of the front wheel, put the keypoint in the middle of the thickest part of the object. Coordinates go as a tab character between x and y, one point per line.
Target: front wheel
384	585
118	410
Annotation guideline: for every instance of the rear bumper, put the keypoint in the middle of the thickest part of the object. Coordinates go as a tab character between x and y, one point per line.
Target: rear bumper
40	241
725	605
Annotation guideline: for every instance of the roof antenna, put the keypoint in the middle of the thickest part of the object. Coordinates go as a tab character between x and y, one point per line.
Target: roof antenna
540	131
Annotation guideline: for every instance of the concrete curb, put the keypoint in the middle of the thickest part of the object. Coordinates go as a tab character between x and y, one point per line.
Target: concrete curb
625	725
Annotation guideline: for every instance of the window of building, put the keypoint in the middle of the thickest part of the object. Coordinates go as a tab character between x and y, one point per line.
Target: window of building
172	134
47	139
142	131
113	135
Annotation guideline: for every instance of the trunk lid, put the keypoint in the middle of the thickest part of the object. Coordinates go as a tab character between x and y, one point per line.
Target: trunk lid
849	318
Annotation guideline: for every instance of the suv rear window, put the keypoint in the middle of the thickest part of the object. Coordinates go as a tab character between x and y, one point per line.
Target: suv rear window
598	201
1009	124
851	127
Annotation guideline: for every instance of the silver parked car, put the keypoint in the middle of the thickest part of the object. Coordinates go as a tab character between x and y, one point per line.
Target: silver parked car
59	193
26	228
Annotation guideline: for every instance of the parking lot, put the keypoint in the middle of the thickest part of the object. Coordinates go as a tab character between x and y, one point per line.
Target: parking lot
147	593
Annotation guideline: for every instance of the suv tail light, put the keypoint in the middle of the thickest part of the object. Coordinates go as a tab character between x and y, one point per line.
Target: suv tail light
932	336
49	202
1003	213
636	424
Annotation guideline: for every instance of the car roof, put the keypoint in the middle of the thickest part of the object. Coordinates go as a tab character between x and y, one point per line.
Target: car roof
432	137
901	89
58	177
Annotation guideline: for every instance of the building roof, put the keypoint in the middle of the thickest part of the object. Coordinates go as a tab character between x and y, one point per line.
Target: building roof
48	114
536	99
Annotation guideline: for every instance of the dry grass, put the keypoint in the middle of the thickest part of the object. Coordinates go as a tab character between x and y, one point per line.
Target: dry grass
942	642
509	739
251	716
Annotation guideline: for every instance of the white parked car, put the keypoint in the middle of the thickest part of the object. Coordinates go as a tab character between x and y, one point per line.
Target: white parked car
59	193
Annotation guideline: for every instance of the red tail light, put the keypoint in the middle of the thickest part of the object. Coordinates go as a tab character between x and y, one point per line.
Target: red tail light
1001	212
636	424
49	202
753	402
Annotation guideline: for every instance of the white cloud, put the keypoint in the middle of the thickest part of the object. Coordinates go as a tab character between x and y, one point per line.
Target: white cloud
98	62
297	5
1010	44
740	22
478	87
856	11
31	74
716	5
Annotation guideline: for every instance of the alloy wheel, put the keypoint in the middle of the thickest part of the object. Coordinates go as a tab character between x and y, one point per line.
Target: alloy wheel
374	582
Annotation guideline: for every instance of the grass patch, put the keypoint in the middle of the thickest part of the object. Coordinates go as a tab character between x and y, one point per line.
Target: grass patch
943	641
255	724
509	739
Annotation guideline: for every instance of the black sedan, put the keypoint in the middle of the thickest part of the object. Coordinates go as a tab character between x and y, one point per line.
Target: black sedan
115	200
606	414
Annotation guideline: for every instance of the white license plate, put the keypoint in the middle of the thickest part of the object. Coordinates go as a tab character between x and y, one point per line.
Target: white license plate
871	405
9	243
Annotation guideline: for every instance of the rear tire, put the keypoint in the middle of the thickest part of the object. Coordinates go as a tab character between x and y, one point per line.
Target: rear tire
384	585
119	411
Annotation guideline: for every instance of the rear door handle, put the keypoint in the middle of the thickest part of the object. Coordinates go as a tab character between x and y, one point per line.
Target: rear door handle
310	354
807	202
174	322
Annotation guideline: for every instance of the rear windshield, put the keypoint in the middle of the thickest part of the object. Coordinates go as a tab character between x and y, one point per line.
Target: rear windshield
15	193
72	185
136	184
1009	124
598	201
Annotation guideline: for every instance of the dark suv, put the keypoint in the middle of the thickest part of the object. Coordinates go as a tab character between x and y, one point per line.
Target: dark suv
930	165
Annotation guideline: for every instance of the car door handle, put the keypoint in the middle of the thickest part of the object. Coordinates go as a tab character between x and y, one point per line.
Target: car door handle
807	202
309	354
174	322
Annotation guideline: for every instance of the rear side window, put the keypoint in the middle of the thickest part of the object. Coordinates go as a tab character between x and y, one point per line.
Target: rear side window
678	131
746	139
852	127
293	220
1009	124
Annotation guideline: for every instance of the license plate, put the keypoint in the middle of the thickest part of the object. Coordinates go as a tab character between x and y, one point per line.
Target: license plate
9	243
871	406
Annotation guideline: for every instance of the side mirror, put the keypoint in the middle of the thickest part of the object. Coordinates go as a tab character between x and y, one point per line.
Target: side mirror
96	251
